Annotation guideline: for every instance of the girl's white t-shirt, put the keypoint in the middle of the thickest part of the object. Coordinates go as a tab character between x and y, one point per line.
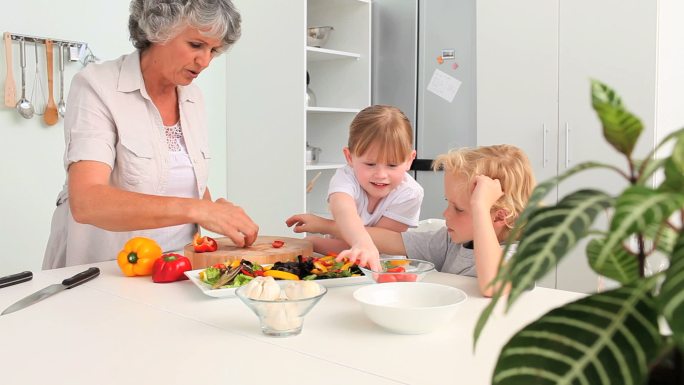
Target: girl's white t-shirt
402	204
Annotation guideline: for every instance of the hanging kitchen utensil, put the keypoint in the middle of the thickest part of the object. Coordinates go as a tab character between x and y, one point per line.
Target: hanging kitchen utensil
40	295
37	91
61	106
24	106
10	86
50	117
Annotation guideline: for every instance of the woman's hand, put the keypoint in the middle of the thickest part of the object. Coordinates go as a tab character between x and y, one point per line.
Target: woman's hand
309	223
230	220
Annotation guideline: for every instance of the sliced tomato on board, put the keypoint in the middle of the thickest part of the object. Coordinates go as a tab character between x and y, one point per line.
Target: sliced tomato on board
277	244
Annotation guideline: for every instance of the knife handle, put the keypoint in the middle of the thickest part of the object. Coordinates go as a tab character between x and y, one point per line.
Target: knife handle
16	278
81	277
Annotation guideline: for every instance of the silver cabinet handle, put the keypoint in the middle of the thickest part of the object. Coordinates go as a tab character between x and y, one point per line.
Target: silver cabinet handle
567	145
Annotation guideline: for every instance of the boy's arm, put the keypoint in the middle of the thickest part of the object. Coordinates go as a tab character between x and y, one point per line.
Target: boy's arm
391	224
387	241
352	230
487	250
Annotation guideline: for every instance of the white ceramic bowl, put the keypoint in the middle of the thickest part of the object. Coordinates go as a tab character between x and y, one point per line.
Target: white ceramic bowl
410	307
317	36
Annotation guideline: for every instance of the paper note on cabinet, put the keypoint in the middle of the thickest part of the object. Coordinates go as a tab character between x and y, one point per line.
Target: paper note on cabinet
443	85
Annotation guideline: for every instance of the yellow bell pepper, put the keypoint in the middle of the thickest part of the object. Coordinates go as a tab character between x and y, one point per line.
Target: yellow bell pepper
281	275
138	256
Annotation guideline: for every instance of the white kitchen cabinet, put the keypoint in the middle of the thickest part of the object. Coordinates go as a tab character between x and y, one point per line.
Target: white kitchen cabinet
535	60
269	123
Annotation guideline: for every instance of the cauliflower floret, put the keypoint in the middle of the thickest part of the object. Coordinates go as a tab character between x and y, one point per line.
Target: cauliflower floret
302	289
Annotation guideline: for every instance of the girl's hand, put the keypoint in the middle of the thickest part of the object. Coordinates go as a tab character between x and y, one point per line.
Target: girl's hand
309	223
486	191
367	255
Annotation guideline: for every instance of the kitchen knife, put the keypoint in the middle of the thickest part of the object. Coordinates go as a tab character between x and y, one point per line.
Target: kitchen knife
40	295
15	278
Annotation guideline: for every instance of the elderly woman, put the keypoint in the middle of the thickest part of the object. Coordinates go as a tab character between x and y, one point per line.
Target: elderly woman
136	140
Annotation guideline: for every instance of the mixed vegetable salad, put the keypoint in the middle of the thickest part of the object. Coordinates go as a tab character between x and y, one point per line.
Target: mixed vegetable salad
238	273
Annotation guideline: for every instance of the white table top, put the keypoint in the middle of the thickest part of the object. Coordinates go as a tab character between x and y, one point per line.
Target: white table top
119	330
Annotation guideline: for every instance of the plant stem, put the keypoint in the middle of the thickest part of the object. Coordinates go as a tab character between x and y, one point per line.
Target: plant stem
641	255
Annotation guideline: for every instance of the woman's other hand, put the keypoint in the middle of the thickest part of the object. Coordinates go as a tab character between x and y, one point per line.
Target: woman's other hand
225	218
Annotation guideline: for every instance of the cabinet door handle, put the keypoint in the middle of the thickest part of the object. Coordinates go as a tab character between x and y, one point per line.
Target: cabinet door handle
544	133
567	145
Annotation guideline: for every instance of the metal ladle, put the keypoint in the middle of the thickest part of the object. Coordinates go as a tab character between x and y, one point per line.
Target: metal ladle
61	106
24	105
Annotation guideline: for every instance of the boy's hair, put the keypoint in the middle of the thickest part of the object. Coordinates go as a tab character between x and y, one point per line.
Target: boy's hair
385	128
504	162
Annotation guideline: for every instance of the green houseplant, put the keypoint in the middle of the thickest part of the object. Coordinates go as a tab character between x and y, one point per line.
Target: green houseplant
612	337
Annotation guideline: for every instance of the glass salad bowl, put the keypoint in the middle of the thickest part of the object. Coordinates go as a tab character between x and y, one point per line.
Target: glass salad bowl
281	308
400	270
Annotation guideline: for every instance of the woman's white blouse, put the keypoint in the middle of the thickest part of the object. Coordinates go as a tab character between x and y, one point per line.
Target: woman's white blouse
111	119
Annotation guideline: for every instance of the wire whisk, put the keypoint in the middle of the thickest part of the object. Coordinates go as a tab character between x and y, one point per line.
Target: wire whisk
38	98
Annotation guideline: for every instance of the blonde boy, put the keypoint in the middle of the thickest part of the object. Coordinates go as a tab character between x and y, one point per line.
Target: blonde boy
486	188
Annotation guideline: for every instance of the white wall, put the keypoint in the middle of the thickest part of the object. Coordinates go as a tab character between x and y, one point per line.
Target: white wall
31	170
670	91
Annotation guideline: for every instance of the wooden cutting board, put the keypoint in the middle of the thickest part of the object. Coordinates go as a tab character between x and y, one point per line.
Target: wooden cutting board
260	251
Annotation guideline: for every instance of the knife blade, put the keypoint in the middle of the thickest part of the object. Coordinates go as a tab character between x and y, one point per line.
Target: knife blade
16	278
41	294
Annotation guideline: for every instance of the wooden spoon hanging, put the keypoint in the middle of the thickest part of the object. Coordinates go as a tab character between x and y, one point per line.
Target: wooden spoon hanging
50	117
10	86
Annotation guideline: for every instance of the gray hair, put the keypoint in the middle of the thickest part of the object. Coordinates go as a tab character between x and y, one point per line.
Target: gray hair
158	21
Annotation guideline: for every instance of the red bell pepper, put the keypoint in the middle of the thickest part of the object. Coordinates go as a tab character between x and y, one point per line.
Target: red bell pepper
170	268
204	244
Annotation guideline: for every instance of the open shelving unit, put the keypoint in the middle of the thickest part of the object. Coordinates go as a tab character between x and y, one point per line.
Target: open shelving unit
340	79
268	120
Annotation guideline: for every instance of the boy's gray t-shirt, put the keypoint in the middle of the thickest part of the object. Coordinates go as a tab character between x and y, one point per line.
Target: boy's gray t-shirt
436	247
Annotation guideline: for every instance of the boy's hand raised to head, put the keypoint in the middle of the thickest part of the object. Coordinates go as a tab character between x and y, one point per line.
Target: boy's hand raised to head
486	191
309	223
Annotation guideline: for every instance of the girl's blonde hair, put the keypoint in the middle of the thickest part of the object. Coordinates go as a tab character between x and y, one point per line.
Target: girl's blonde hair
384	128
504	162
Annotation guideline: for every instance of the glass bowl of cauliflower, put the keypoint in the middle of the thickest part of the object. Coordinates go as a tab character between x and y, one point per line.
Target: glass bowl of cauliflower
280	305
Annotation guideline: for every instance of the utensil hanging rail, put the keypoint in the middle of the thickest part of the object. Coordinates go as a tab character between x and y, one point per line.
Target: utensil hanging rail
38	39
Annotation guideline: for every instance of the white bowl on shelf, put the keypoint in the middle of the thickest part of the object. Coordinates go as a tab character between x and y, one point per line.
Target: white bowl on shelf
410	307
317	36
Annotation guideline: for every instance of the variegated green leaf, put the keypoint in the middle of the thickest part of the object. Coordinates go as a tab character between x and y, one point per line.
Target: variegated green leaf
671	298
620	265
674	177
607	338
549	234
647	168
620	127
635	209
678	154
662	236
